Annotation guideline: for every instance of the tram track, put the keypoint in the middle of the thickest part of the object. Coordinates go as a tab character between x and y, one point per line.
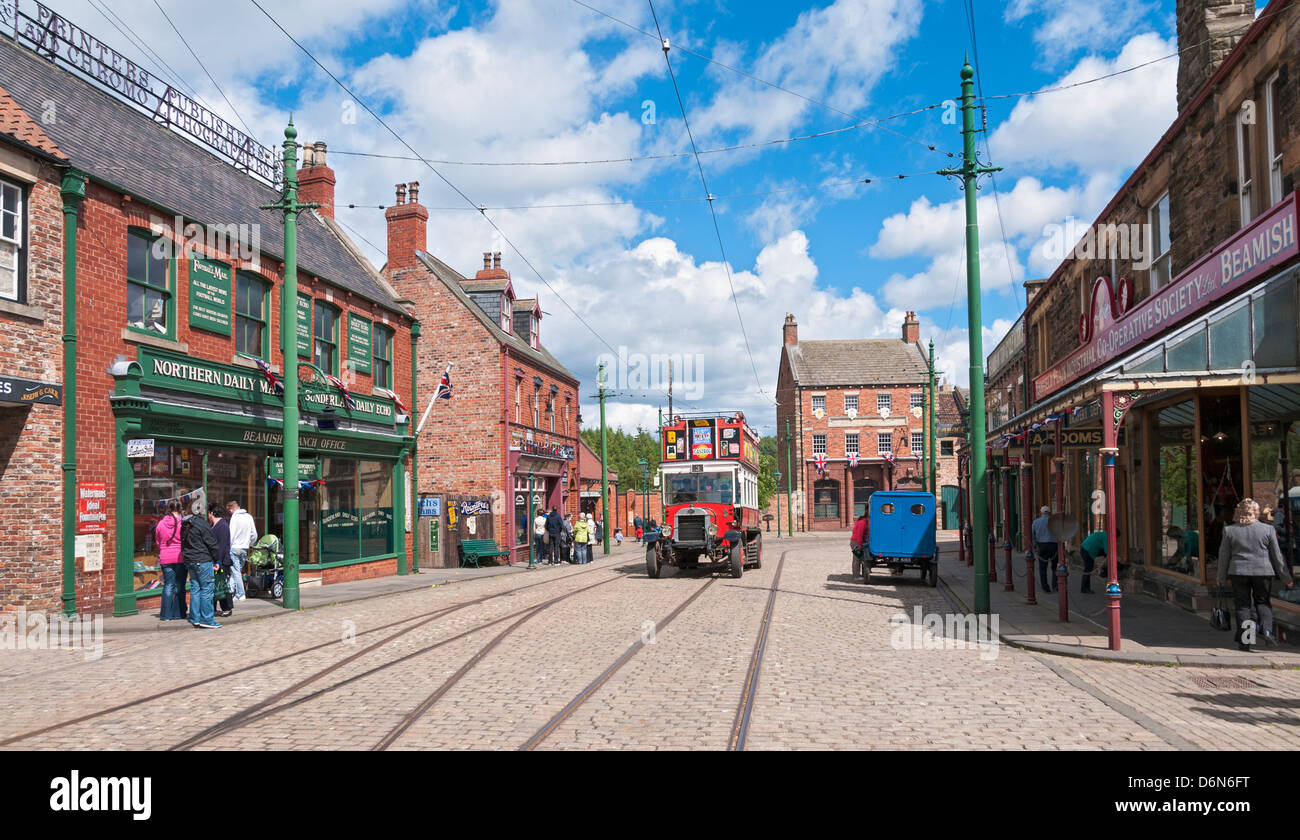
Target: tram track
745	709
420	619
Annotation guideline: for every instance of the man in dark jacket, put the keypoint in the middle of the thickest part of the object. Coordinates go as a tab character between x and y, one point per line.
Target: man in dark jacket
221	532
199	550
554	527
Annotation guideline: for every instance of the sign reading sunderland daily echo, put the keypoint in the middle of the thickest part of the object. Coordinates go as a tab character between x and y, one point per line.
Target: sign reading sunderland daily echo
1265	243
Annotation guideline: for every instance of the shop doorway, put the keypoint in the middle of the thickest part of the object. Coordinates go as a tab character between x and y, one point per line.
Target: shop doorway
862	490
1222	478
308	519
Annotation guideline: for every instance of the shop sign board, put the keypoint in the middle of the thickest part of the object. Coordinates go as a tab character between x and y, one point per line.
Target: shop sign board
474	507
358	343
1113	329
210	296
433	536
14	389
308	469
141	448
304	326
431	506
92	507
1071	439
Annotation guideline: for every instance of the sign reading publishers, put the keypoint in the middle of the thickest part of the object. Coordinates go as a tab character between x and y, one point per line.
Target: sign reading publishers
1256	249
210	296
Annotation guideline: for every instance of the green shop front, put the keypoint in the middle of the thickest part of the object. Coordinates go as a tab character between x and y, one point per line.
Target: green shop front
197	432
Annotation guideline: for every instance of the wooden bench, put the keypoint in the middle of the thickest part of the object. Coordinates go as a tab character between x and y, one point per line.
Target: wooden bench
472	551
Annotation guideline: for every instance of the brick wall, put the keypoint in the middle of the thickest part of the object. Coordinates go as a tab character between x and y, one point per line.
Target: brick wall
31	438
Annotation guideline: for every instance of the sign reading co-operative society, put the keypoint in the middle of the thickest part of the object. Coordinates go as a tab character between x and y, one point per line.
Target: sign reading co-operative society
210	296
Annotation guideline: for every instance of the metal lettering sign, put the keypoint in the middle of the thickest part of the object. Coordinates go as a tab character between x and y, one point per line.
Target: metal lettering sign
53	35
431	506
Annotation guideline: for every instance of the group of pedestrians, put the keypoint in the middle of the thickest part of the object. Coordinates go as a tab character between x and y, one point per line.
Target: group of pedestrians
208	551
566	539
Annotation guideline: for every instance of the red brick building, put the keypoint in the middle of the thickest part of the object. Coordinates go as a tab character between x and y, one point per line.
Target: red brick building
178	276
512	422
31	368
855	400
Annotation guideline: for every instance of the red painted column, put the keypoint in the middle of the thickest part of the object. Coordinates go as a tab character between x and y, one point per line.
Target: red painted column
1062	567
1010	584
1110	449
1027	505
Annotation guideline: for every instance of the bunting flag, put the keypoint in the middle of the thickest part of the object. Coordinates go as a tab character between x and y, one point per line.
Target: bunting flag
1052	418
820	460
343	389
274	482
444	386
397	401
853	459
1076	410
274	380
889	456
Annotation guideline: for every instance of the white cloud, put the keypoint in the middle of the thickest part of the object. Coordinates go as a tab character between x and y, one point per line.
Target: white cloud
1064	27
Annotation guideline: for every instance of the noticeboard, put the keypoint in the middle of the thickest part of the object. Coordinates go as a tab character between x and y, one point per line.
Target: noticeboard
304	326
358	343
210	296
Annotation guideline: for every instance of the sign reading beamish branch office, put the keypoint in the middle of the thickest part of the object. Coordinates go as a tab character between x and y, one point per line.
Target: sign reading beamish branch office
210	296
1257	248
183	373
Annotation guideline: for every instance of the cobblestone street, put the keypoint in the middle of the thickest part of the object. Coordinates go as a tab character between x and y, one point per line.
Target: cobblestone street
498	662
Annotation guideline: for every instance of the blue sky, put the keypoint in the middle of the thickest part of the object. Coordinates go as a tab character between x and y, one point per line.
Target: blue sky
544	80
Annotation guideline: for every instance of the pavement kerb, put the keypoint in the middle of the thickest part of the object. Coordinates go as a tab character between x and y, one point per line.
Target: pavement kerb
1251	662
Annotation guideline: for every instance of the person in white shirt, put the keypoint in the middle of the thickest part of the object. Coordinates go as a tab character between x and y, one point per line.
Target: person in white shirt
539	536
243	534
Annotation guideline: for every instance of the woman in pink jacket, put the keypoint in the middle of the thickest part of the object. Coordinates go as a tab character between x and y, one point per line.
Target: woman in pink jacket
167	536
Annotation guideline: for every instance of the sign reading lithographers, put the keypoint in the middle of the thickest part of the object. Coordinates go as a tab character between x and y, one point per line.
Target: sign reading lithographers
184	373
1113	330
29	391
55	36
358	343
304	326
210	296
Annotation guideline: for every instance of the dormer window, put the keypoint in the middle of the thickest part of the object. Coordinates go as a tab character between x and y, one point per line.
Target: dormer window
534	328
506	306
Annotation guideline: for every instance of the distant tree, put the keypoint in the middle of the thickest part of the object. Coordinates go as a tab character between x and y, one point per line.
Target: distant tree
766	479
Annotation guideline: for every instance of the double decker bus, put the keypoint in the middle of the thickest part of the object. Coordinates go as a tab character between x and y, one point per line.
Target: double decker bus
709	479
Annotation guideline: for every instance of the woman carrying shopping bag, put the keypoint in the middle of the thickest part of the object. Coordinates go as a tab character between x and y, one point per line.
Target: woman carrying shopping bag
1251	556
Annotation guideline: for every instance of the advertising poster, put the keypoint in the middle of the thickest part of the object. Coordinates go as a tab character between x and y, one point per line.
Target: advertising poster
702	446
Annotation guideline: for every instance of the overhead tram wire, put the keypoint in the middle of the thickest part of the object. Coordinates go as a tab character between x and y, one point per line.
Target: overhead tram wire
751	77
233	109
440	176
713	213
165	70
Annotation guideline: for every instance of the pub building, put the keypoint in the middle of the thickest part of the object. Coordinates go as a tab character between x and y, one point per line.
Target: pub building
1175	391
174	278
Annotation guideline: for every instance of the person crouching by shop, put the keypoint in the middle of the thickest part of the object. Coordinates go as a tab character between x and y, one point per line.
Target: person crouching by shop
1093	547
1249	553
243	535
200	551
167	536
1045	547
223	570
858	539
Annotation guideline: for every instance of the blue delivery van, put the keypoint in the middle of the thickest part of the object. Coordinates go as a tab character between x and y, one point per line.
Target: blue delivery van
902	534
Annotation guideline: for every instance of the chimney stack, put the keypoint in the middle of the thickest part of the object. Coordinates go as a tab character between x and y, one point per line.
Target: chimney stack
1207	32
407	228
492	269
790	332
316	180
911	329
496	259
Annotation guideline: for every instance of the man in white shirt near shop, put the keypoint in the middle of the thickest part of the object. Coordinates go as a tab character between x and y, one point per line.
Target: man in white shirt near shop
243	533
539	536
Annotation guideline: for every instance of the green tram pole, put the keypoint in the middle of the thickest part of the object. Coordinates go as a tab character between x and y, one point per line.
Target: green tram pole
73	190
415	453
291	207
604	461
969	173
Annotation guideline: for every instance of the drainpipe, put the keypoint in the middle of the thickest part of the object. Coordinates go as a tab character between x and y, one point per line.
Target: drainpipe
415	451
73	190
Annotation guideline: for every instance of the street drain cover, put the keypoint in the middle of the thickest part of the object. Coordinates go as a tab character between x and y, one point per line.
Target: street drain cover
1224	682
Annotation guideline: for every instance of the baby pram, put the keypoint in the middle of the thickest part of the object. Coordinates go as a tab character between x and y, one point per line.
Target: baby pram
266	567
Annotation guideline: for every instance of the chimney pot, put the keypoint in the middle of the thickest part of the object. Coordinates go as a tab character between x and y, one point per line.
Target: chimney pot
487	260
496	259
790	331
414	189
401	193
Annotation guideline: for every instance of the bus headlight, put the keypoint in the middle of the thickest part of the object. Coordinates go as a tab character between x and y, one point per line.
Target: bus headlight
713	529
668	530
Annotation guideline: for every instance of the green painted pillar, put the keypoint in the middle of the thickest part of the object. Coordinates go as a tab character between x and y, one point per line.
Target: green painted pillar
399	505
73	190
124	602
415	453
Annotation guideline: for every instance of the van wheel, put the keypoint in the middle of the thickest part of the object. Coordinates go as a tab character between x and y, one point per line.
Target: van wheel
934	572
737	560
651	562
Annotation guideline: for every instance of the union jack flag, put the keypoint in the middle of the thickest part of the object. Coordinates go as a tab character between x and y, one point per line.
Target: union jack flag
343	389
276	385
820	460
397	401
853	459
889	456
444	386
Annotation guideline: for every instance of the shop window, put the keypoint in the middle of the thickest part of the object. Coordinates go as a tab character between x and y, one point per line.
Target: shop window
819	444
1188	354
238	476
1230	340
340	516
1275	482
13	256
148	293
382	366
325	344
851	443
826	499
1275	333
1273	138
1158	244
1178	540
1222	476
945	449
173	474
375	490
252	332
1153	362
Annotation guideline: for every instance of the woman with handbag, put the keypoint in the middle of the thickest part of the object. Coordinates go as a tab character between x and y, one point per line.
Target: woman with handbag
1250	555
167	536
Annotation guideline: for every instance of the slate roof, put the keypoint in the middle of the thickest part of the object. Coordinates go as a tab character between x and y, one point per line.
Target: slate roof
474	285
952	406
17	125
121	146
863	361
453	280
524	305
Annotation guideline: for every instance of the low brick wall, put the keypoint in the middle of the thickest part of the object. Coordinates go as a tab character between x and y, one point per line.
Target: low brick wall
359	571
